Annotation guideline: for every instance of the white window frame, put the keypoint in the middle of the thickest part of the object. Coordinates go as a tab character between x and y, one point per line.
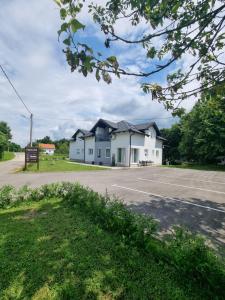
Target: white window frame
106	153
153	152
99	153
90	151
157	153
78	151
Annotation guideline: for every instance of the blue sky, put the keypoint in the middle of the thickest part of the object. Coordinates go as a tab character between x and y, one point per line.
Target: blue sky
62	101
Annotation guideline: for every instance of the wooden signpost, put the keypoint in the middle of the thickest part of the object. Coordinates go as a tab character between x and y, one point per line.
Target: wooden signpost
31	156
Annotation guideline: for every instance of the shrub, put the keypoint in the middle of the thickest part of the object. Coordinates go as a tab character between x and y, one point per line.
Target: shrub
195	260
7	195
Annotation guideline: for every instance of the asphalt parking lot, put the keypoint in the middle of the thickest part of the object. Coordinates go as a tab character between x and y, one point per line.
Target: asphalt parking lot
195	199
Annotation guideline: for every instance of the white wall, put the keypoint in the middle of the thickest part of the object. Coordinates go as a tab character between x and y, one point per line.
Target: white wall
120	140
154	146
140	142
74	154
89	144
49	151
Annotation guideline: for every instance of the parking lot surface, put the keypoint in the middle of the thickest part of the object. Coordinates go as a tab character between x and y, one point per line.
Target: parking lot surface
195	199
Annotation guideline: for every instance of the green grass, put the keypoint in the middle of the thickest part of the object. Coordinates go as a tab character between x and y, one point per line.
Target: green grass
48	251
7	156
61	166
206	167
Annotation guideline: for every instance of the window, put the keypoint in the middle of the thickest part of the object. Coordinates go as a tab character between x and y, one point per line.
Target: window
153	152
90	151
78	151
120	155
157	153
134	155
82	150
107	152
146	152
99	153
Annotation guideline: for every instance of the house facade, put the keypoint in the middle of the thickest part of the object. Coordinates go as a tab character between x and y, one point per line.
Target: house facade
48	149
117	144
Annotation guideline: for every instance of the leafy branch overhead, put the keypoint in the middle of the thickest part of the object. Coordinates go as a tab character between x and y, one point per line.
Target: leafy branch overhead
172	29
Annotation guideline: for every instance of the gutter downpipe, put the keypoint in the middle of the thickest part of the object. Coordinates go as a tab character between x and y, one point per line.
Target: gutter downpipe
130	148
84	149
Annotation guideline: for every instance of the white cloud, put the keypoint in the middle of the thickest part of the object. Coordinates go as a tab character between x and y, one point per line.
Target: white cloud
61	101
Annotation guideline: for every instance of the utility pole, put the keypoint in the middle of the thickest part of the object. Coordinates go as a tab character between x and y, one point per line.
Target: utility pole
31	128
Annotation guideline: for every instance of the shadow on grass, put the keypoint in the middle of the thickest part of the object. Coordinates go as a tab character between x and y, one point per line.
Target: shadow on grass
49	252
207	222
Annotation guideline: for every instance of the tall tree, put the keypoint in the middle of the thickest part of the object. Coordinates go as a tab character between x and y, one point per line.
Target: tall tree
45	140
203	130
5	129
171	146
5	136
171	30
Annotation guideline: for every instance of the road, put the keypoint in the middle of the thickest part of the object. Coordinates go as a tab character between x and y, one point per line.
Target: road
195	199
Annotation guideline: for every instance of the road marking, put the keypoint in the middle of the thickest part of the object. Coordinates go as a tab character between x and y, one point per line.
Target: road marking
184	186
217	182
168	198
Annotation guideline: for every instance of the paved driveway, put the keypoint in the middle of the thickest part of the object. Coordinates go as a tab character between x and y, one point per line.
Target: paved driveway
192	198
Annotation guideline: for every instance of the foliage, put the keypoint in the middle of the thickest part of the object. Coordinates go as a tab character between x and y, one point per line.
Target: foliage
172	30
7	156
193	259
199	136
187	253
14	147
203	130
5	136
170	146
62	146
5	130
45	140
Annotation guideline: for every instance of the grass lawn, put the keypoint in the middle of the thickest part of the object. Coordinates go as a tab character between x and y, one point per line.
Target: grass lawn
198	167
7	156
48	251
61	166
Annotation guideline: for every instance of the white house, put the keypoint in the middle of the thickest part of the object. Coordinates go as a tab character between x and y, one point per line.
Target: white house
120	144
47	148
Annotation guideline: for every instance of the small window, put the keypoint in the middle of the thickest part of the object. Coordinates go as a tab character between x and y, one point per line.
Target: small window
78	151
107	153
153	152
99	153
157	153
146	152
90	151
82	150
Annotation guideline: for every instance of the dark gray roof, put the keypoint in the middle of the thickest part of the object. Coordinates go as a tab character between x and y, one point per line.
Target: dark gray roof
122	126
161	138
145	126
110	124
83	131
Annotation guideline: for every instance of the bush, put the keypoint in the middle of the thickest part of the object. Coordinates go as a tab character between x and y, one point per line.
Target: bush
188	253
195	260
7	195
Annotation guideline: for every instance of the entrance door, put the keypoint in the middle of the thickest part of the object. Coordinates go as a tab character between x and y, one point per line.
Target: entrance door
121	155
134	155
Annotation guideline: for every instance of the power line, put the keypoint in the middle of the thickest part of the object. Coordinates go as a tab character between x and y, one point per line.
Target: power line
18	95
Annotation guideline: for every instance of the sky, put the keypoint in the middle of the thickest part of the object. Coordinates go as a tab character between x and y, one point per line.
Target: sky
62	101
